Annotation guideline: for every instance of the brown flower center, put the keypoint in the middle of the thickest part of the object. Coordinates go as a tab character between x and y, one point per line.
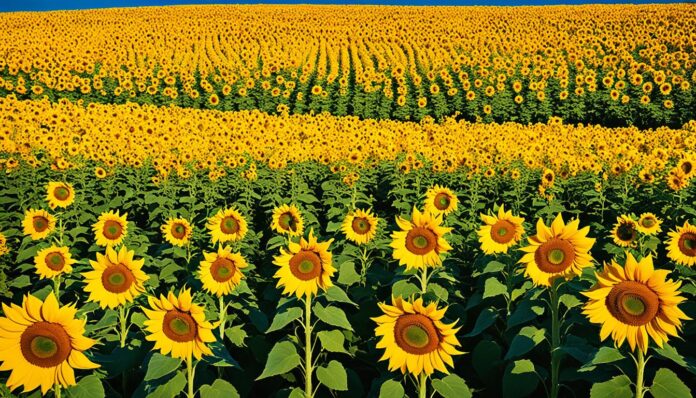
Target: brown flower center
503	231
554	256
222	269
421	241
179	326
416	334
61	193
648	222
306	265
288	222
117	278
45	344
633	303
55	261
361	225
687	244
229	225
687	167
442	201
112	230
40	223
626	232
179	230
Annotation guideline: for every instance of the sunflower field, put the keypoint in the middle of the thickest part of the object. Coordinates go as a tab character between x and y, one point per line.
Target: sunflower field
334	201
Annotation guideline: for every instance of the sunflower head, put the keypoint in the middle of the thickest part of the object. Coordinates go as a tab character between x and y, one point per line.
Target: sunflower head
440	201
42	343
117	278
625	231
177	231
53	261
287	219
420	241
681	245
414	337
111	228
60	194
177	326
305	267
635	303
221	272
500	232
38	223
360	226
559	251
227	225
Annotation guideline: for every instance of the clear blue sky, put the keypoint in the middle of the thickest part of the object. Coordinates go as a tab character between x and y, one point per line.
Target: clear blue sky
41	5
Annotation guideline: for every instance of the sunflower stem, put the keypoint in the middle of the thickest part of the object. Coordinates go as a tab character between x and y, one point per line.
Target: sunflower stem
555	338
124	327
308	347
189	376
422	385
56	390
424	280
56	287
640	368
223	317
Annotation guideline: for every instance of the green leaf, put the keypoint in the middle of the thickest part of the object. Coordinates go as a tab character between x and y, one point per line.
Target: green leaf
333	376
569	301
523	366
20	282
669	352
161	365
404	288
347	275
332	340
170	389
667	384
332	315
525	312
485	357
618	387
282	319
219	389
221	357
485	319
237	335
492	267
391	389
452	386
528	338
282	359
89	387
603	355
518	385
335	293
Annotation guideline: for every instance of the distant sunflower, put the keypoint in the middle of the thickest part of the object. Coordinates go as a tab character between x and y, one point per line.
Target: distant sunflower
649	224
227	225
60	194
305	267
635	302
681	245
177	231
178	327
111	228
420	241
3	245
287	219
360	226
625	231
414	337
501	232
53	261
559	251
117	278
440	200
38	224
42	343
221	272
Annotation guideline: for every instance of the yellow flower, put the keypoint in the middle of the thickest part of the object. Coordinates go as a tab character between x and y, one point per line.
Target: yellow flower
117	278
53	261
501	232
60	194
110	228
3	245
38	223
635	303
178	327
305	267
625	231
360	226
287	219
559	251
227	225
420	241
681	245
440	200
177	231
649	224
42	343
414	337
221	272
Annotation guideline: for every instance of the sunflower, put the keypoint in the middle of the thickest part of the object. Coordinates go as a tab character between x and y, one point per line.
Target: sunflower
681	245
305	267
3	245
178	327
110	228
649	224
635	302
177	231
117	278
221	272
227	225
360	226
557	251
500	232
440	200
414	337
287	220
38	223
60	194
420	241
42	343
625	231
53	261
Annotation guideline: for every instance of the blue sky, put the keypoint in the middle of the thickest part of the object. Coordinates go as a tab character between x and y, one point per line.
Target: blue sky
41	5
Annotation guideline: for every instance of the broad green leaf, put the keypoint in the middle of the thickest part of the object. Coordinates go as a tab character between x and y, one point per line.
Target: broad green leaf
333	376
161	365
518	385
347	275
452	386
332	340
569	301
88	387
221	357
618	387
492	267
667	384
523	366
335	293
333	316
484	357
282	319
603	355
237	335
391	389
219	389
493	287
20	282
404	288
282	359
669	352
525	312
485	319
528	338
170	389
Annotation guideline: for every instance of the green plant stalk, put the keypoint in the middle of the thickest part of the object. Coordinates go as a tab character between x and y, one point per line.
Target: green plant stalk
56	390
124	327
56	287
189	377
223	317
424	280
422	385
640	369
308	347
555	339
